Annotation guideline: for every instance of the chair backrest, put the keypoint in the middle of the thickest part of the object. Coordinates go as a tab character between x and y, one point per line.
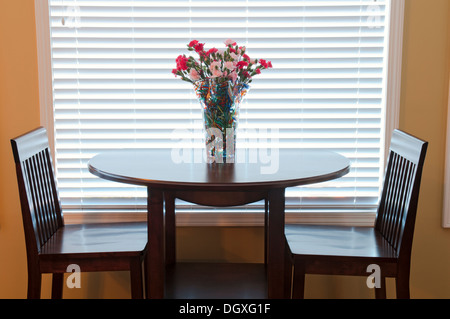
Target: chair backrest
39	199
398	203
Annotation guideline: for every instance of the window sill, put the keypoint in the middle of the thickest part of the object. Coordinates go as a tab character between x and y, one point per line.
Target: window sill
230	219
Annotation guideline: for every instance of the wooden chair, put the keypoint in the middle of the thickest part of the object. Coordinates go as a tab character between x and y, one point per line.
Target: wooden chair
52	246
339	250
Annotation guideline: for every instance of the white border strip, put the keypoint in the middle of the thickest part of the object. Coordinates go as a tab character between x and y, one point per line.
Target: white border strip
394	69
44	57
446	204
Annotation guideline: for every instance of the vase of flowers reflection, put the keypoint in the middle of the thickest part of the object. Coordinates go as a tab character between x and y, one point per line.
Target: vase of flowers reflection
221	79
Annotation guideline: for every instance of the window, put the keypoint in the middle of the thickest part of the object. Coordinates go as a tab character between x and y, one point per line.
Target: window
112	87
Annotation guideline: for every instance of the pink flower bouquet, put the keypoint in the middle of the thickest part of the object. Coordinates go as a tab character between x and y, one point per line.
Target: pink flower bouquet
221	80
231	63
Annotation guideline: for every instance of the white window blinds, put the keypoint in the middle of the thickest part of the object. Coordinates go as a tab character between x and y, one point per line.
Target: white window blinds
113	87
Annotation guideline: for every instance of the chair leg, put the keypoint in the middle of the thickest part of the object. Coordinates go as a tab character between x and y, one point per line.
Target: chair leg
34	284
266	221
57	285
298	282
380	293
287	273
145	288
136	279
402	285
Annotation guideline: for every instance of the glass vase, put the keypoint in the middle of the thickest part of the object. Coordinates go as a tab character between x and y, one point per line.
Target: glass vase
220	101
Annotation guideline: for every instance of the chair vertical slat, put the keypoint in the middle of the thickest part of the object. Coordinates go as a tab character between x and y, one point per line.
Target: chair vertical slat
54	192
48	194
34	197
400	203
380	221
390	196
45	188
397	200
383	205
404	201
411	179
42	203
31	206
42	199
386	214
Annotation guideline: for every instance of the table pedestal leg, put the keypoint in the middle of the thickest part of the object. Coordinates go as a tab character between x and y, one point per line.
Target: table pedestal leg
170	228
266	223
276	242
155	263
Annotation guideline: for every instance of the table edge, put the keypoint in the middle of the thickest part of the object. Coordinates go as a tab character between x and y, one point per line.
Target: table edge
219	187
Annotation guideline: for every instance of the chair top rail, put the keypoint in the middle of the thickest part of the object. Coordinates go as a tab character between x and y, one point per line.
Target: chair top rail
30	143
407	146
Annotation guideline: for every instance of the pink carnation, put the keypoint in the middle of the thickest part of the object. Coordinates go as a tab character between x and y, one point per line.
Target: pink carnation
229	42
192	43
194	75
265	64
234	56
241	64
181	62
199	47
215	69
211	51
233	76
230	65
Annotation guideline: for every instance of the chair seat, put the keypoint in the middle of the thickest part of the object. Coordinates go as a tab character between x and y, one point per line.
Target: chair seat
339	241
124	239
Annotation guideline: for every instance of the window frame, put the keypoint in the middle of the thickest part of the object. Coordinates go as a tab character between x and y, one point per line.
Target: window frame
393	90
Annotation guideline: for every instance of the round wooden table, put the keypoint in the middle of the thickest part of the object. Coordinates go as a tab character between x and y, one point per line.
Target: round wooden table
254	176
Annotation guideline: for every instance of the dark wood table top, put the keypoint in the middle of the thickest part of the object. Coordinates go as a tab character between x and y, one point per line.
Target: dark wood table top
160	168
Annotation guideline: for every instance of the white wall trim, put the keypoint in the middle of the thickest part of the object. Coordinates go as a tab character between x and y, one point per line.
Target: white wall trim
44	57
394	68
446	204
393	86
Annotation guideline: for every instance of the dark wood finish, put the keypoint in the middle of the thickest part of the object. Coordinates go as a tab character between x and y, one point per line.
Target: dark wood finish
214	185
187	280
155	255
170	228
338	250
155	168
51	245
275	243
220	199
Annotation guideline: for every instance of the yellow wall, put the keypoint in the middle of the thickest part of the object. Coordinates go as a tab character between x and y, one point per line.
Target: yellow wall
424	102
19	111
425	89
